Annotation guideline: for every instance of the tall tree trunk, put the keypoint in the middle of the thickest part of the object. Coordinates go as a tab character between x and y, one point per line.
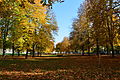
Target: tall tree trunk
112	28
26	56
38	53
107	49
75	51
88	47
33	50
97	46
18	52
4	47
88	50
13	48
4	43
112	47
83	50
5	33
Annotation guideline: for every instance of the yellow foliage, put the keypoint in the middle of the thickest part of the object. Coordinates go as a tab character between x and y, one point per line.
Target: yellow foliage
28	19
117	40
114	18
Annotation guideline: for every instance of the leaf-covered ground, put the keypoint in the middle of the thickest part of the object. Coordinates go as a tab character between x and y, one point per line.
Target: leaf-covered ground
63	68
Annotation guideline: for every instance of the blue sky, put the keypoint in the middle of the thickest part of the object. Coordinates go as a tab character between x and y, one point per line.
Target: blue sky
65	13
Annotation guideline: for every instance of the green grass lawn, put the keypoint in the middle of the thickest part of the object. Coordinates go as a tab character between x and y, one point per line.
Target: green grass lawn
50	55
14	53
43	55
66	68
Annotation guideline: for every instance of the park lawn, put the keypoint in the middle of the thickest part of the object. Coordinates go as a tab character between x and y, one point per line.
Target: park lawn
14	54
49	55
63	68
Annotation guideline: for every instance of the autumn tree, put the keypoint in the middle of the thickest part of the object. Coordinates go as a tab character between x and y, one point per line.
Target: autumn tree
58	47
101	13
8	11
28	25
80	36
63	46
97	24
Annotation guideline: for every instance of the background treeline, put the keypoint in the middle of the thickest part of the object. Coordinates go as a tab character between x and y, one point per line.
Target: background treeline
27	26
96	27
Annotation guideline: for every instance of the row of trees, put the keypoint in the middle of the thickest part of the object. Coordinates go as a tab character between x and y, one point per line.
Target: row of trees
97	25
63	46
27	25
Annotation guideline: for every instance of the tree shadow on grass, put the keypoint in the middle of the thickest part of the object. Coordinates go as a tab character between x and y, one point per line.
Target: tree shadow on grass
80	66
31	65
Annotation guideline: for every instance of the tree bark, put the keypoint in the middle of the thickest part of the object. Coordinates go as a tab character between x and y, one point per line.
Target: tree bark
13	48
5	33
26	56
88	51
4	48
38	53
112	28
107	49
88	47
112	47
18	52
83	50
33	50
97	46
